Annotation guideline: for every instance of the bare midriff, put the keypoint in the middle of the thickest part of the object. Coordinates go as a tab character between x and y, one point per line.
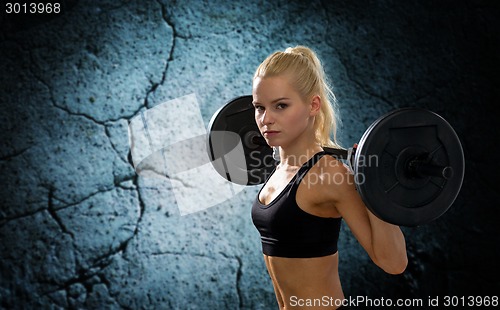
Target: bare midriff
301	282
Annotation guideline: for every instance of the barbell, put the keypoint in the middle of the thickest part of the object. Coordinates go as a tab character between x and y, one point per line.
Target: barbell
408	166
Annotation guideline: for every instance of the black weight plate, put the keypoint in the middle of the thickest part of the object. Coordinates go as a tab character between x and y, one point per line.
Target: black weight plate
380	166
230	148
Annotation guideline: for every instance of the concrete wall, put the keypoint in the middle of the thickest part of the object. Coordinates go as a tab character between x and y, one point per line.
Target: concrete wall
80	229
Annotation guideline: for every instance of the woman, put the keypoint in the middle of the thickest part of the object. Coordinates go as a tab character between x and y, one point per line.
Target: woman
299	209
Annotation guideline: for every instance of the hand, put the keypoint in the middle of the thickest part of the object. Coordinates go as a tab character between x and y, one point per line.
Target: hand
350	157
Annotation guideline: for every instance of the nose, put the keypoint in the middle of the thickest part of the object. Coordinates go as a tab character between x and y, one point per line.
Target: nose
266	118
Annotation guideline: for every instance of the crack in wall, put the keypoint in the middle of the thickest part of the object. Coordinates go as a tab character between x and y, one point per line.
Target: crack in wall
14	154
108	134
239	274
53	213
74	203
106	122
169	24
8	219
51	93
122	247
142	208
238	280
154	85
83	275
68	111
51	208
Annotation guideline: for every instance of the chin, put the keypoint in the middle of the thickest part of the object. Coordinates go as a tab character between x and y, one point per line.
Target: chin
272	144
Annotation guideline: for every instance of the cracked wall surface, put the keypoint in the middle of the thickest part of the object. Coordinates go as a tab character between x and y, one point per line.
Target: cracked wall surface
80	229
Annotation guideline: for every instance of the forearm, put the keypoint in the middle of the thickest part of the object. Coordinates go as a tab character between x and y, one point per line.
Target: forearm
388	245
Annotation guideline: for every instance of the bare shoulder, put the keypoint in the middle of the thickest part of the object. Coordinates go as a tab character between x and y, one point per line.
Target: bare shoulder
335	172
331	179
335	188
333	165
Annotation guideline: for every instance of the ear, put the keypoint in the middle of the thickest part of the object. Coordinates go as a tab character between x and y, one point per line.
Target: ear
315	105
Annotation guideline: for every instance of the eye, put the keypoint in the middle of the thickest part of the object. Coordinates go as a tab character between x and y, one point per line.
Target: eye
258	108
281	106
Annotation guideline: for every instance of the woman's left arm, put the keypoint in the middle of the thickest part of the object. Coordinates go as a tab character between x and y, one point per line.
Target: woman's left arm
384	242
389	246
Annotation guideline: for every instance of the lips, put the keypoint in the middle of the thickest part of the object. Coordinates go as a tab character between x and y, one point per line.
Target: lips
270	133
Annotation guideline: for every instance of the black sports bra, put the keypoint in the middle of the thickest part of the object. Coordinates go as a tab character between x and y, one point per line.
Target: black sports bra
288	231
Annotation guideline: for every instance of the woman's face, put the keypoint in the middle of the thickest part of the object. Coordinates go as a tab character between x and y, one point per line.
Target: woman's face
280	112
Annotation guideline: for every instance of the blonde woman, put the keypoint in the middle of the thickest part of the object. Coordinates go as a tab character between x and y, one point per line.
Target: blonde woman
299	209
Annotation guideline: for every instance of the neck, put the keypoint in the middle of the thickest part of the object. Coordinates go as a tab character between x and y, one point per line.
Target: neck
299	152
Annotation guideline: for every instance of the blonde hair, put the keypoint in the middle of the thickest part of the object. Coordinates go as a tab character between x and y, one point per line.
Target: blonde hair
309	79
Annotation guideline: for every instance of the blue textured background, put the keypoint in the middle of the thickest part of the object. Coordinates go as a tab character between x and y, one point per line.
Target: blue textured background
78	227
